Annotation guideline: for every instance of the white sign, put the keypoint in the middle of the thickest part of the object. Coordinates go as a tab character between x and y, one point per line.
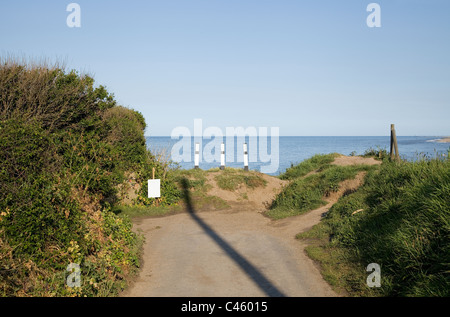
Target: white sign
154	188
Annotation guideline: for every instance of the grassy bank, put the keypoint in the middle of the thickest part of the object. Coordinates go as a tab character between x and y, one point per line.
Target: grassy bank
318	162
398	219
199	182
155	207
311	181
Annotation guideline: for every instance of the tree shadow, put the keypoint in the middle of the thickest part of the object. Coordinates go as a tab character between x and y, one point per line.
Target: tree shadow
258	278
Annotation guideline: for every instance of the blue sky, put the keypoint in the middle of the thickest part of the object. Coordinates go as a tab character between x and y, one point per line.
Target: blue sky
308	67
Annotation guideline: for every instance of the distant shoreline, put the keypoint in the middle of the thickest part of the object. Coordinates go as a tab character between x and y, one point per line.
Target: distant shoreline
444	140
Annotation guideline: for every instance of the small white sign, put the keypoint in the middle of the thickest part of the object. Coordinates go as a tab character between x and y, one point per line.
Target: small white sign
154	188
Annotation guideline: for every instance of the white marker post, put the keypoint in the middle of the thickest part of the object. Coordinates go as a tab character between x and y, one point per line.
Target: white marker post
197	155
222	156
245	157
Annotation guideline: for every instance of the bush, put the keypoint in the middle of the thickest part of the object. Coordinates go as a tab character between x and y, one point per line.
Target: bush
378	153
50	96
124	131
38	204
64	148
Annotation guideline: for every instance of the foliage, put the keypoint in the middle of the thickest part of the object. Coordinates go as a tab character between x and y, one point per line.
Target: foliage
64	148
36	201
318	161
402	224
231	179
378	153
170	192
48	95
306	193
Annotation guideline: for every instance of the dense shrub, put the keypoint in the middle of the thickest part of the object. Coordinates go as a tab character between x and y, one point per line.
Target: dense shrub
403	224
64	148
171	193
125	132
35	198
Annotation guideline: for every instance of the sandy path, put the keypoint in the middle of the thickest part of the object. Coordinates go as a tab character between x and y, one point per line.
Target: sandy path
233	253
224	254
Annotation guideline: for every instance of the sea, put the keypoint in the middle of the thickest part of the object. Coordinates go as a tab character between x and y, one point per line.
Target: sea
287	150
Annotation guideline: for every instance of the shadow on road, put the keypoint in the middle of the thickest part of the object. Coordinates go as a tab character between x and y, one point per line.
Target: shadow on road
263	283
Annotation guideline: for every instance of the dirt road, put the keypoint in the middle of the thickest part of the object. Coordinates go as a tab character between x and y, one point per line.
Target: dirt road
224	254
231	253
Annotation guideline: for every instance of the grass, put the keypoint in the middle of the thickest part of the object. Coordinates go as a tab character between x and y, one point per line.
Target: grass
197	180
404	226
378	153
231	178
348	275
132	211
196	176
197	184
200	201
339	267
306	193
317	162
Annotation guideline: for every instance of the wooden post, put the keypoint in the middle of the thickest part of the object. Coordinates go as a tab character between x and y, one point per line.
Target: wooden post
394	146
392	143
197	154
245	157
222	156
153	173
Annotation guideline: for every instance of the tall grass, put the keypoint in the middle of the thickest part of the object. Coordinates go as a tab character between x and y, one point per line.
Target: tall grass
230	179
403	224
306	193
318	161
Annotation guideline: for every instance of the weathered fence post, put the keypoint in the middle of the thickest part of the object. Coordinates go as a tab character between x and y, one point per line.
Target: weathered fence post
394	145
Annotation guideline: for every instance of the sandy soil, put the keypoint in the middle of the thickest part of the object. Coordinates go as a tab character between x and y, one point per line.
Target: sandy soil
236	252
355	160
245	198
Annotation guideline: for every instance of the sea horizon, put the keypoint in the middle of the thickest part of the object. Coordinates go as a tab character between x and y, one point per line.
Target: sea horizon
331	136
295	149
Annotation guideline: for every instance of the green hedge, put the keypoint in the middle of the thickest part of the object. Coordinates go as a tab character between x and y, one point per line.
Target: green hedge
65	145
